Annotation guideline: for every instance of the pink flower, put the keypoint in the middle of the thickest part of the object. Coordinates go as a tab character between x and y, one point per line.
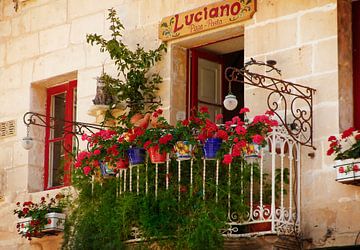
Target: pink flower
341	170
244	110
269	112
86	170
258	139
227	159
97	152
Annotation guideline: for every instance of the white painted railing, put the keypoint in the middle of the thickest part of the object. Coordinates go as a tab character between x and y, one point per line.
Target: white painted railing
262	194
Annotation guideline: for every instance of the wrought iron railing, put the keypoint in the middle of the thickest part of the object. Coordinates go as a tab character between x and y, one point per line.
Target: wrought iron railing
261	194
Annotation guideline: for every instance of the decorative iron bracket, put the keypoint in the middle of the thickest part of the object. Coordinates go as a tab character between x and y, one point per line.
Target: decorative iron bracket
72	128
294	101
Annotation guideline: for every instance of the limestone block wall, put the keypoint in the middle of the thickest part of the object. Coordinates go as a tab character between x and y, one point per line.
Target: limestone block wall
43	44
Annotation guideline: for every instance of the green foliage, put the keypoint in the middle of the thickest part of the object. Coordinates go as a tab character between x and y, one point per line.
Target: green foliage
135	85
101	218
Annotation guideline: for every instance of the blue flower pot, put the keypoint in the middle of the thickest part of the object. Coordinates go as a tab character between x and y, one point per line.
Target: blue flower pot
211	147
136	155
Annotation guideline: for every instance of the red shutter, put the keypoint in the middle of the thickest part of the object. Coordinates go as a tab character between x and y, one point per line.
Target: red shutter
356	61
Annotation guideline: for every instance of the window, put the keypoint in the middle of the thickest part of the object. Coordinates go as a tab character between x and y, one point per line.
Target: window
60	113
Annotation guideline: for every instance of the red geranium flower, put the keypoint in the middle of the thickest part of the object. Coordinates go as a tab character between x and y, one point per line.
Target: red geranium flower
330	151
258	139
332	138
219	117
227	159
341	170
244	110
347	133
356	168
204	109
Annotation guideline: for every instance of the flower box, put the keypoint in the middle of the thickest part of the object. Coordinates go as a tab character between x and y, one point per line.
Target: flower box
348	171
55	224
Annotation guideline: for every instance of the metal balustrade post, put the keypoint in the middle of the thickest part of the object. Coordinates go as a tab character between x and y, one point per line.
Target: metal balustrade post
179	180
204	178
217	181
156	179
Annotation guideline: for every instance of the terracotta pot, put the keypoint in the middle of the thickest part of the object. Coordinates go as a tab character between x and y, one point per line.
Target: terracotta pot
156	156
261	226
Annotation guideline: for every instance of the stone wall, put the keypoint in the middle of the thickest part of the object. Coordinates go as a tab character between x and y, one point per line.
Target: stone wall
43	43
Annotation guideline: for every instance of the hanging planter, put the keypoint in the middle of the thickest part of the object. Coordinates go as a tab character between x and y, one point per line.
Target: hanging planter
183	150
55	223
211	147
136	155
348	171
156	156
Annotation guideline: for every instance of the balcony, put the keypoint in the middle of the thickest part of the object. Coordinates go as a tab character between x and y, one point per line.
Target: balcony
259	193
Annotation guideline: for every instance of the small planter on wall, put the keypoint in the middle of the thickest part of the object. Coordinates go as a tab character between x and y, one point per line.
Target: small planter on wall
348	171
55	224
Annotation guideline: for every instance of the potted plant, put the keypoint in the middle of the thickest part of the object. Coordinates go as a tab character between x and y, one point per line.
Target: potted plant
106	154
346	148
38	219
158	141
245	138
135	84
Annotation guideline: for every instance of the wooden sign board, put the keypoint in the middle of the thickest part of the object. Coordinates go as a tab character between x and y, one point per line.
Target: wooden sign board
205	18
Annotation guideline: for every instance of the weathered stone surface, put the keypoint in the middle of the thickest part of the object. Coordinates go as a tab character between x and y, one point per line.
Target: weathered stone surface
21	24
22	48
59	62
271	37
5	29
11	78
326	56
80	27
276	8
78	8
54	38
294	62
318	24
57	10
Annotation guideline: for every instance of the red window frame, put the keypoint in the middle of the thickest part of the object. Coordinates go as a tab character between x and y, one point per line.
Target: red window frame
67	88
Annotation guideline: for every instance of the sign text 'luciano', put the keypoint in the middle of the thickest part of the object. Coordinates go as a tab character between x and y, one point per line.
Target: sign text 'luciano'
205	18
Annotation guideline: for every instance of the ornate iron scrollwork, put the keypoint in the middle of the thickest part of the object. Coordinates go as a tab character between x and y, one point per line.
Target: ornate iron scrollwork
72	128
292	103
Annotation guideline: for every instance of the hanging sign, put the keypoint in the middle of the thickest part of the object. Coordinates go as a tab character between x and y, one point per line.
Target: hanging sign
205	18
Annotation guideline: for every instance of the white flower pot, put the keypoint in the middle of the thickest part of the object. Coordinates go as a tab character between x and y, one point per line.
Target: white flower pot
55	223
348	171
